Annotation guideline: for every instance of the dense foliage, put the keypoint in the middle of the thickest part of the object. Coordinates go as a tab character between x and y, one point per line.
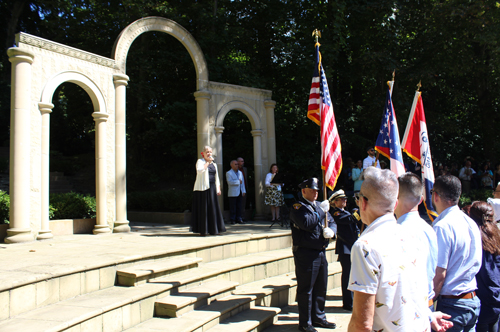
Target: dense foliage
451	47
72	206
4	207
160	201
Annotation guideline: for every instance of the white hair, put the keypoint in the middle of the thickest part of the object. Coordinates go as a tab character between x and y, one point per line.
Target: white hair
381	188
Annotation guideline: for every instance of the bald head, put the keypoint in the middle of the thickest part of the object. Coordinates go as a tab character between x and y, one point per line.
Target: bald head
381	189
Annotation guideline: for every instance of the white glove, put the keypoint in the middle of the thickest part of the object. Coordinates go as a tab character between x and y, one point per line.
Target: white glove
328	233
325	206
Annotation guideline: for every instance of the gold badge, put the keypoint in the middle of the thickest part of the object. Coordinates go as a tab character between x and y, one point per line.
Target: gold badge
297	206
336	213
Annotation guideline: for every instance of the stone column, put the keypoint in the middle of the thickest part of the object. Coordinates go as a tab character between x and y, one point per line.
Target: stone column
259	184
45	232
19	187
271	133
202	115
100	155
121	224
218	160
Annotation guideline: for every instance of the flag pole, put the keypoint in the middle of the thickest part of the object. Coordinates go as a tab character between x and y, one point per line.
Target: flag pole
317	34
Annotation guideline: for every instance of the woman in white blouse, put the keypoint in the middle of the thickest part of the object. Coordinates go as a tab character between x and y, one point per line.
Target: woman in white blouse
206	216
274	195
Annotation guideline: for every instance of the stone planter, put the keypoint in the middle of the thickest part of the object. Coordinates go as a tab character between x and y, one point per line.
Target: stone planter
3	231
72	226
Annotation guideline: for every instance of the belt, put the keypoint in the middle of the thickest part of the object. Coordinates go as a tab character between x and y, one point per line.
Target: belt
469	295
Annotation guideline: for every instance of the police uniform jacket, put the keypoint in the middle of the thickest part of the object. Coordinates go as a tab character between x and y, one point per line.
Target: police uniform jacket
347	229
307	229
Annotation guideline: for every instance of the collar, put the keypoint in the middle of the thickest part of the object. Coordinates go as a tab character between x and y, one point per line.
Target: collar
389	217
407	216
447	211
308	201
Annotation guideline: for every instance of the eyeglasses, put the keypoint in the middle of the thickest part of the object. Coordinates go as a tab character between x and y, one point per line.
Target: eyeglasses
433	191
372	150
361	195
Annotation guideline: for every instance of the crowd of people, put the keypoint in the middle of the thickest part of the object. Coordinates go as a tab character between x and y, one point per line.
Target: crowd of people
399	272
472	174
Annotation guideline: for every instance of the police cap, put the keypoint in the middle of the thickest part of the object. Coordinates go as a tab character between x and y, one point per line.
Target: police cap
338	194
311	183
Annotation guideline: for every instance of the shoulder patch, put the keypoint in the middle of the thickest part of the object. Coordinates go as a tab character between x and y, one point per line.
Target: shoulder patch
336	213
297	206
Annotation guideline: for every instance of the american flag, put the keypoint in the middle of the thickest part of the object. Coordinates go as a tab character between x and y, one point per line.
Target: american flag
320	110
388	138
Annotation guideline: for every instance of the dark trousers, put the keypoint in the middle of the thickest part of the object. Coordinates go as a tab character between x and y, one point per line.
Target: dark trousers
311	270
235	208
347	295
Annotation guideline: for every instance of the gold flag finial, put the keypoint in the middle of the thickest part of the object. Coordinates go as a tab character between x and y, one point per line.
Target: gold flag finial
317	34
419	85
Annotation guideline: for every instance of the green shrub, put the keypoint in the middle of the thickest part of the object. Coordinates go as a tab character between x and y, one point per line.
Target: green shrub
160	201
474	195
4	207
72	206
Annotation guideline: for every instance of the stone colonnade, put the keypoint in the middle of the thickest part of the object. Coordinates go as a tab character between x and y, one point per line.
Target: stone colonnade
39	66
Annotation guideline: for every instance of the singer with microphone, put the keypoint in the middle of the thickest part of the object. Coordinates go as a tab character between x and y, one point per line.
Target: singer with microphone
206	216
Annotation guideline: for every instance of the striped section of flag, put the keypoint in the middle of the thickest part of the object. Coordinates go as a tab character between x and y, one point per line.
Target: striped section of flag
416	145
320	110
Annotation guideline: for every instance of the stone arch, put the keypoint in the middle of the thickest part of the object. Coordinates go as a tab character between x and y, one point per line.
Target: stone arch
256	132
79	79
100	116
240	106
132	31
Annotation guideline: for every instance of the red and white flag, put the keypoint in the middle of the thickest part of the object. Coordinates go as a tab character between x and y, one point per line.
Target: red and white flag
416	145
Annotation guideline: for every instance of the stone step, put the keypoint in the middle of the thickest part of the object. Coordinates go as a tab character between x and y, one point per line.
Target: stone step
53	277
288	318
192	298
111	309
254	319
229	313
241	269
202	318
138	274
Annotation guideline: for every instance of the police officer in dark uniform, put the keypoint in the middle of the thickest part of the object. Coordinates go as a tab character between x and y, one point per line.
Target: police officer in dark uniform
310	239
347	233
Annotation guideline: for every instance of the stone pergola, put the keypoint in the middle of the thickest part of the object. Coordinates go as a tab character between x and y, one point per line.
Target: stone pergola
39	66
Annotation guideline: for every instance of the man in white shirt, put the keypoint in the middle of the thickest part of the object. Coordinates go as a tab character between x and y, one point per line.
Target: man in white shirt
388	273
371	160
235	191
410	196
465	176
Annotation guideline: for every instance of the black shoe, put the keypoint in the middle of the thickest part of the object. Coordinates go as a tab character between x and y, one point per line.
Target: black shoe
307	329
325	324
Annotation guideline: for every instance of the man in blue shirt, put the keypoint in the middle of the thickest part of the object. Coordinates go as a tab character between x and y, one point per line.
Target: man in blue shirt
409	197
459	256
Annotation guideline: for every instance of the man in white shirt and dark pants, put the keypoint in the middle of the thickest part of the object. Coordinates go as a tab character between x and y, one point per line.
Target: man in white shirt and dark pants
371	160
236	190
